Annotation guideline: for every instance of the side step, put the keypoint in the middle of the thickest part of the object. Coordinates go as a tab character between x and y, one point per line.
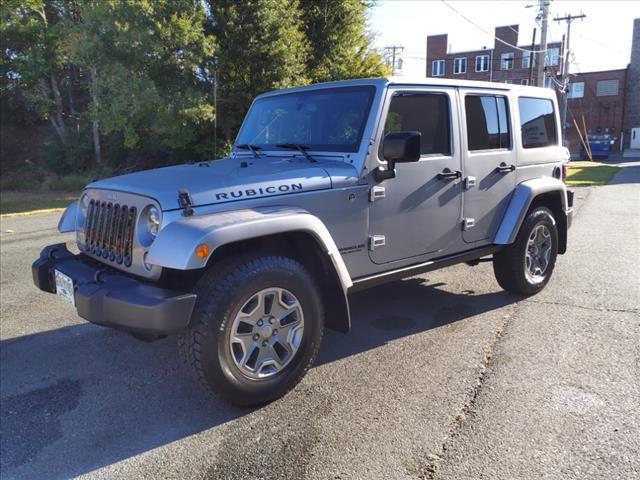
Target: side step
363	283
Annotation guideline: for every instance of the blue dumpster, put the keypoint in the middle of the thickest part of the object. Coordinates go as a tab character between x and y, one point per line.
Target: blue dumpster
600	144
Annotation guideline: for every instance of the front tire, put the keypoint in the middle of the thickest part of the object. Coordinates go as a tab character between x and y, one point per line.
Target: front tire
525	267
256	329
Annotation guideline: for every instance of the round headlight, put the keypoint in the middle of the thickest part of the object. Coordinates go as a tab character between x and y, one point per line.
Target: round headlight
153	221
148	225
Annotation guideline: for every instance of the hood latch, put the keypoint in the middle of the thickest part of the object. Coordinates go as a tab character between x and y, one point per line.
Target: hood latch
185	202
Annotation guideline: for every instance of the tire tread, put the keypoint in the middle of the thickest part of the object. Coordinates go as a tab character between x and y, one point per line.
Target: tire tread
212	286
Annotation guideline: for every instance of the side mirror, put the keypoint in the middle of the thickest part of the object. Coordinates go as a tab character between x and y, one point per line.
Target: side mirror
399	147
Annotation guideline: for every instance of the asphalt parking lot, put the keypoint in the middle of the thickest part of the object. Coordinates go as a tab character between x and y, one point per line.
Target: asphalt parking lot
443	376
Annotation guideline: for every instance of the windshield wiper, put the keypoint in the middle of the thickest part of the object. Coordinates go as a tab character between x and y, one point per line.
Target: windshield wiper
254	149
301	148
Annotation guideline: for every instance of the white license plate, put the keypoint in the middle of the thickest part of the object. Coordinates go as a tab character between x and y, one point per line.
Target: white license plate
64	287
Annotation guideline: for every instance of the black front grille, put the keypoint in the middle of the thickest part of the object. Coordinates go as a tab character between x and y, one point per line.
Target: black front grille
108	231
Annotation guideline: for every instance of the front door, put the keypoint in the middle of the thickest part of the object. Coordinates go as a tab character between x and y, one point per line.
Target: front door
489	162
418	211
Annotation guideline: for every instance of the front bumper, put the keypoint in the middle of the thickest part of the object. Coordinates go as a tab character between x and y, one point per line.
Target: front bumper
106	297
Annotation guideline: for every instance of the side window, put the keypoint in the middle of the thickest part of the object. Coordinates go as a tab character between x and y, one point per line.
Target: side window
487	122
427	113
538	122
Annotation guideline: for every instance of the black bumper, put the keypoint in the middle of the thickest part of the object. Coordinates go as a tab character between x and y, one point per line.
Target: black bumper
105	297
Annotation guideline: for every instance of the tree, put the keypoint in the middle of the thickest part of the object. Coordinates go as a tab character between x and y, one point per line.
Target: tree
148	64
340	47
33	60
261	47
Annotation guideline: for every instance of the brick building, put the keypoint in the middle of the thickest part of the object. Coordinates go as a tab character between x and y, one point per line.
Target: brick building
503	63
599	98
609	101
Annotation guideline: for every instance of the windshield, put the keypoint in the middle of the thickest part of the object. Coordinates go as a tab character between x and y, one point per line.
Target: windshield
329	120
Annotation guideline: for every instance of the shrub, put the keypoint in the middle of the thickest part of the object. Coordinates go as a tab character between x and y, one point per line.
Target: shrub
19	182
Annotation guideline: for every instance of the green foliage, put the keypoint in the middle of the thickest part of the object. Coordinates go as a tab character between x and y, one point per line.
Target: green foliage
72	156
129	84
261	47
340	45
76	182
16	181
150	62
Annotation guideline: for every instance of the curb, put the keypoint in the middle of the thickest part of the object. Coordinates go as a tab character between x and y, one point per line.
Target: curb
32	212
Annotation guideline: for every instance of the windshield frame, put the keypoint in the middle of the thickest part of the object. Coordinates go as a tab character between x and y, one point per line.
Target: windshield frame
328	148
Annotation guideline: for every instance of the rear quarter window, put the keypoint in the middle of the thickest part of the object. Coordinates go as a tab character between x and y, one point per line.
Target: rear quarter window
537	122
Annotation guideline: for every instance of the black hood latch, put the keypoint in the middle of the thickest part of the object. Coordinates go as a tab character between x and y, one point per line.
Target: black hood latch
185	202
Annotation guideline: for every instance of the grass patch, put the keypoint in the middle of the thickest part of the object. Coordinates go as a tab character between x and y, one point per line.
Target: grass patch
16	202
590	173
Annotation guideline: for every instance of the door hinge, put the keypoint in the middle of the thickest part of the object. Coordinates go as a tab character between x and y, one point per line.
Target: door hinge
469	182
377	193
376	241
468	223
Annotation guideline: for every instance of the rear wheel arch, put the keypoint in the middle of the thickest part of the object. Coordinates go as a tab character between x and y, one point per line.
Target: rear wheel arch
553	200
544	191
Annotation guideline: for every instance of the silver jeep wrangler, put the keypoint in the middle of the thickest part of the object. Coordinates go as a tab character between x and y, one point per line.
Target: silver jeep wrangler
329	189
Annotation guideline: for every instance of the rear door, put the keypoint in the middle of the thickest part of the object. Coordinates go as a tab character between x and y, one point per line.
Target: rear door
489	162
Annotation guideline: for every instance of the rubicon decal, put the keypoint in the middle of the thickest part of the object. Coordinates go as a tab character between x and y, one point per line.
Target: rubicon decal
259	191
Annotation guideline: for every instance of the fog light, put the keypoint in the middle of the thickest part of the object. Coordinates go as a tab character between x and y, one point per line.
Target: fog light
202	250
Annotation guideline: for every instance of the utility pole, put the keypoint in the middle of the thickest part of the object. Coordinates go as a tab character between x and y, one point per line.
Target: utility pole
544	17
565	68
393	49
532	58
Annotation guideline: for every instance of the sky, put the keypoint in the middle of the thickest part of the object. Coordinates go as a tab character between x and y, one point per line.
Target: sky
601	41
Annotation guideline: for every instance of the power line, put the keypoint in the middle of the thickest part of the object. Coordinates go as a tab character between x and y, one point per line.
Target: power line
492	35
609	47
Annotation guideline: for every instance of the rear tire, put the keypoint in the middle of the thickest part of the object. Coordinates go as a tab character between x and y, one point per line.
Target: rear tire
256	328
525	266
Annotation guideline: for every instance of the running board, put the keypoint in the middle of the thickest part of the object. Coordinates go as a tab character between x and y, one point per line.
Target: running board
363	283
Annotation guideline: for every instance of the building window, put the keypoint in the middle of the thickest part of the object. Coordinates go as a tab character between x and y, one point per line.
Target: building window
537	122
552	57
459	65
526	59
576	90
407	113
508	81
607	88
506	61
487	122
437	68
482	63
524	81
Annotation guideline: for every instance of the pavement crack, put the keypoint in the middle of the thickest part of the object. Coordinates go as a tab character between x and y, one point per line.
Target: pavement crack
430	470
585	307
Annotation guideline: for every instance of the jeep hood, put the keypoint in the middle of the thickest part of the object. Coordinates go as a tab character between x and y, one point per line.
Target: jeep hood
232	179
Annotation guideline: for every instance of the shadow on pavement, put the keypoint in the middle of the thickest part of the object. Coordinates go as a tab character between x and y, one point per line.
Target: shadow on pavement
83	397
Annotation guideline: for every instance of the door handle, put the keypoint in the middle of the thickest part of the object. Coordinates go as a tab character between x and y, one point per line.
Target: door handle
504	168
448	174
